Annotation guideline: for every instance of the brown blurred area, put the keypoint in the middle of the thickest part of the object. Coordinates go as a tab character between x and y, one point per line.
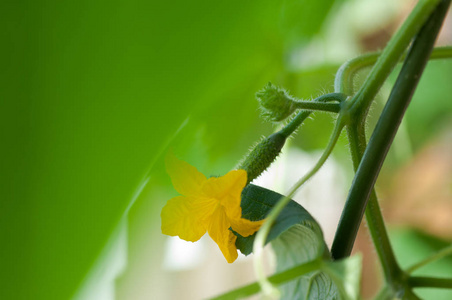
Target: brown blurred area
421	191
376	39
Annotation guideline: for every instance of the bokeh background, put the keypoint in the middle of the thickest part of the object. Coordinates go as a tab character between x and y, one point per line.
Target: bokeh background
93	93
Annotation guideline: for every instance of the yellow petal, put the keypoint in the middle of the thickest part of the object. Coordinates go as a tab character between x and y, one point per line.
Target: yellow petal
186	178
227	188
219	231
187	217
245	227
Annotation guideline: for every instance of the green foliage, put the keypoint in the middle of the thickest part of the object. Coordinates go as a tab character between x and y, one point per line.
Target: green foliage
428	105
421	27
296	238
257	203
346	274
295	12
299	245
93	92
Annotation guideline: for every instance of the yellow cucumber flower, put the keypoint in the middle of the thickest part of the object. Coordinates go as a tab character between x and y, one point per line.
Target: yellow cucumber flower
211	205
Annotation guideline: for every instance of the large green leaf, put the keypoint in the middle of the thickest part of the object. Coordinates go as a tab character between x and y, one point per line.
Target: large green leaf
90	94
346	274
335	280
294	219
297	238
294	247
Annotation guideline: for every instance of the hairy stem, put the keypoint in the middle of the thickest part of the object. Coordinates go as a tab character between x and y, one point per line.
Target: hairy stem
319	106
302	115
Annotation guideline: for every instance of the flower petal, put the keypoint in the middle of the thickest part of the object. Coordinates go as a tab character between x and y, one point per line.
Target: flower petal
245	227
219	231
187	217
227	189
187	180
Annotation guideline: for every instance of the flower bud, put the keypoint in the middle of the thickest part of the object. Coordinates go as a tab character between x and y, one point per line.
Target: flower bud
262	155
276	103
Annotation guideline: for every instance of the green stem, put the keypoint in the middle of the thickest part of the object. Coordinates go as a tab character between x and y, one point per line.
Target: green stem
302	115
345	76
375	152
443	253
349	224
392	53
294	123
314	105
419	281
276	279
262	234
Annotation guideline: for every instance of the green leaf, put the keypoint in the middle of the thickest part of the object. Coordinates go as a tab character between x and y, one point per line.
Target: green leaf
346	274
92	92
257	203
336	280
296	246
297	238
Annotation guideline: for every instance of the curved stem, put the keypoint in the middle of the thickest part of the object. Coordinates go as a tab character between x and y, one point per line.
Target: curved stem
339	97
343	82
262	234
279	278
442	253
345	75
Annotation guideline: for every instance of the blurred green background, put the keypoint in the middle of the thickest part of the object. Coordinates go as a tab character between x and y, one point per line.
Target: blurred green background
93	92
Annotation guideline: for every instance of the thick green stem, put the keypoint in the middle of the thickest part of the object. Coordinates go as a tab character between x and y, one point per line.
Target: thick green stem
444	283
349	224
375	153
